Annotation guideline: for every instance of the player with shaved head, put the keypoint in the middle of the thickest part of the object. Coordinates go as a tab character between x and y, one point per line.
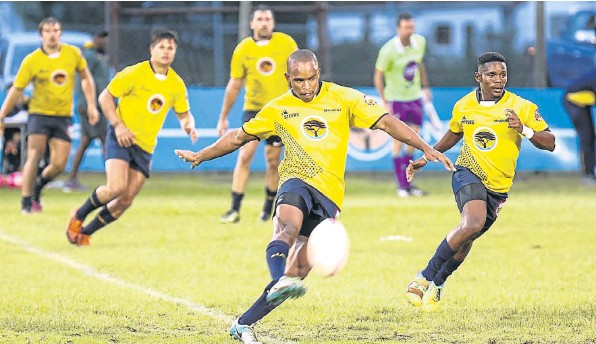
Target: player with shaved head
313	119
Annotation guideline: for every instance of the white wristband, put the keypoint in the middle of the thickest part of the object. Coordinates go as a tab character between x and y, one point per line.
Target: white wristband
528	132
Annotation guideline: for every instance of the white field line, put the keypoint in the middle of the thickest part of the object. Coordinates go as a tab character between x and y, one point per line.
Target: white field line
122	283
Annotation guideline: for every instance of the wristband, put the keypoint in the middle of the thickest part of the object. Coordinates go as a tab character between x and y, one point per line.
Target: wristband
423	157
528	132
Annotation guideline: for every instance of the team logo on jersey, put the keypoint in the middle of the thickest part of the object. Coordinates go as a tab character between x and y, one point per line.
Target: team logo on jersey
369	101
266	65
59	77
156	103
464	120
315	128
485	139
410	70
537	116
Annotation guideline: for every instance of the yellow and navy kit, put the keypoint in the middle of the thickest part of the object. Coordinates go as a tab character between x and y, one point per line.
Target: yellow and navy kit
53	78
145	99
262	65
490	148
316	134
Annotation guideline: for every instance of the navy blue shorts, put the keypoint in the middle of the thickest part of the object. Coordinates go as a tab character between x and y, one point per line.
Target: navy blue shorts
315	206
274	141
137	158
467	187
52	126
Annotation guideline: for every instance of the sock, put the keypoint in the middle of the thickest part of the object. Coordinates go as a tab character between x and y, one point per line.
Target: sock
26	202
402	171
269	197
277	252
90	205
259	309
443	253
102	219
446	270
40	182
236	200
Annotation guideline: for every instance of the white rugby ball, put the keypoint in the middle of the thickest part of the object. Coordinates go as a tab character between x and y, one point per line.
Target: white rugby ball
328	247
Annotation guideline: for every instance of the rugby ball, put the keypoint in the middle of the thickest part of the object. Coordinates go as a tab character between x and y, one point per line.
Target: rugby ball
328	247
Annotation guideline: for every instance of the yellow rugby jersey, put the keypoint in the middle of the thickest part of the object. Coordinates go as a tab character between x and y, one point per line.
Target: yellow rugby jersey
144	101
262	66
53	79
315	134
490	149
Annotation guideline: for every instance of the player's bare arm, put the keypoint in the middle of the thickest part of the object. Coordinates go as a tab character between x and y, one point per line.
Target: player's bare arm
187	123
447	141
400	131
540	139
108	106
14	94
232	90
226	144
88	86
379	82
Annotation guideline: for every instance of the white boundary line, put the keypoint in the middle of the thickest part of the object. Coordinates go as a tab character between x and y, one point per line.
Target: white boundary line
122	283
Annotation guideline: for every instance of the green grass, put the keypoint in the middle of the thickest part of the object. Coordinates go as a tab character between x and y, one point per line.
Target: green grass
530	279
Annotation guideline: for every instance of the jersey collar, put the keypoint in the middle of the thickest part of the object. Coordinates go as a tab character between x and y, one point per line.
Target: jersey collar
478	98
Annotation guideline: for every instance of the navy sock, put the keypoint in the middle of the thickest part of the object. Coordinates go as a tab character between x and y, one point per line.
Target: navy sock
102	219
269	198
277	252
236	200
40	182
443	253
259	309
26	202
90	205
446	270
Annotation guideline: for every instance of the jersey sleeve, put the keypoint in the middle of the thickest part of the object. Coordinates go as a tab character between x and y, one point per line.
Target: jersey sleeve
80	59
532	118
181	104
365	112
262	125
455	121
237	70
118	86
24	75
382	60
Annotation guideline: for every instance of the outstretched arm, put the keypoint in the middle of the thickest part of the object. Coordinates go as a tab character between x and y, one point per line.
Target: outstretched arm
445	143
400	131
226	144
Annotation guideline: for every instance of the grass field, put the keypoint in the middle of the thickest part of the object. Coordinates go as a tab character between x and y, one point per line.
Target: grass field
169	272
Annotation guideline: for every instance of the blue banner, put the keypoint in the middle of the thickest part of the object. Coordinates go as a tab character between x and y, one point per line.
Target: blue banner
370	150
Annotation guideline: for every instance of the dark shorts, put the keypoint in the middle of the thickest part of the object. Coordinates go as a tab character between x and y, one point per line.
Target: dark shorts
137	158
98	130
274	141
410	112
467	187
52	126
315	206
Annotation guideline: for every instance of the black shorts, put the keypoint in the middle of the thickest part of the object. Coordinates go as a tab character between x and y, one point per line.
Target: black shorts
274	141
315	206
98	130
137	158
467	187
52	126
